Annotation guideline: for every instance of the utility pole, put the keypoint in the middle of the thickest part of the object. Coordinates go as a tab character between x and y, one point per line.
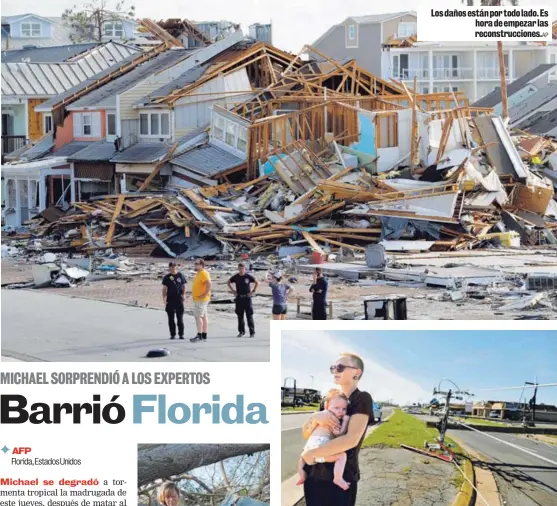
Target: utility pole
502	73
294	395
533	401
457	394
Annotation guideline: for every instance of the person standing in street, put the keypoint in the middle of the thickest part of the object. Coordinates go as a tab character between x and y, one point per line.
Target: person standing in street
201	295
173	296
319	291
280	291
243	293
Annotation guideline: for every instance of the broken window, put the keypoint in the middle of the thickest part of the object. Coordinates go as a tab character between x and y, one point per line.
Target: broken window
386	130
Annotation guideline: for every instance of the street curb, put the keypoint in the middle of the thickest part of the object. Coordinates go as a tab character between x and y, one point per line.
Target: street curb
467	495
468	465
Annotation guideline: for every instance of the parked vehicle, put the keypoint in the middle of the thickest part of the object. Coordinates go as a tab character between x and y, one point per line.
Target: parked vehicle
377	412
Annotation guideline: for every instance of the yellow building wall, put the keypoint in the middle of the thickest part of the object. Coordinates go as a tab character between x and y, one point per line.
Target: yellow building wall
35	119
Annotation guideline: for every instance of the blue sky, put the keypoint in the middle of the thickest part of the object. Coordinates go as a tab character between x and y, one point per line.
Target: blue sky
405	365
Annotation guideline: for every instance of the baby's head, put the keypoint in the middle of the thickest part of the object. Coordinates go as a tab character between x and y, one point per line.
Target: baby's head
336	402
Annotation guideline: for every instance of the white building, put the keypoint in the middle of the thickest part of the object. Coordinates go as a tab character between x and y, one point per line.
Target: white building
472	68
386	45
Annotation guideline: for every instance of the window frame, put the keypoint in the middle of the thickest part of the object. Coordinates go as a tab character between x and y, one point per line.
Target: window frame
30	30
351	32
405	33
47	118
233	134
108	134
160	135
83	124
116	26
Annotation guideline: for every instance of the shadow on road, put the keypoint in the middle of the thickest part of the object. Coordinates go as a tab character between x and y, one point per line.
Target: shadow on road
514	473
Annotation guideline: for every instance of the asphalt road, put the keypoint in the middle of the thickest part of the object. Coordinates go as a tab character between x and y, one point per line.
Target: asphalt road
522	479
435	418
39	326
292	441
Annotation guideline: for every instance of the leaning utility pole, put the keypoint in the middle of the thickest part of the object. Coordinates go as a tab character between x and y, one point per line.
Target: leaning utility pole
533	401
457	394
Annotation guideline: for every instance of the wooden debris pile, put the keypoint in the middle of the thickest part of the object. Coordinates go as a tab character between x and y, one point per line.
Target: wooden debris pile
308	202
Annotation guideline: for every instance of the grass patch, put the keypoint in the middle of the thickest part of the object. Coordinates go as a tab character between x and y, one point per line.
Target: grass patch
457	480
406	470
309	407
402	428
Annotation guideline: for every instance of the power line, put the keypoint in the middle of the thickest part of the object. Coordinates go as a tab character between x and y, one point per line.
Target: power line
517	388
468	480
508	443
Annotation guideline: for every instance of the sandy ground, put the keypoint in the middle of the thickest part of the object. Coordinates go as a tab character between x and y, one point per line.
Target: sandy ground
347	297
396	477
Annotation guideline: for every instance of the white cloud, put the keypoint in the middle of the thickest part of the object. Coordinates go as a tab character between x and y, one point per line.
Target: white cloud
311	353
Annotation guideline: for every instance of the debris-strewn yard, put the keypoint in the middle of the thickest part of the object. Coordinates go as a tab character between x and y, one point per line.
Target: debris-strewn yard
136	281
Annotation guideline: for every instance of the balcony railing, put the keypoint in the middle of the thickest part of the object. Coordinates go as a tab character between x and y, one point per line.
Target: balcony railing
409	74
490	72
448	74
452	73
11	143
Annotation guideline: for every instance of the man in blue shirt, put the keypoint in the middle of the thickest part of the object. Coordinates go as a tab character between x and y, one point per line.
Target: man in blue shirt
319	290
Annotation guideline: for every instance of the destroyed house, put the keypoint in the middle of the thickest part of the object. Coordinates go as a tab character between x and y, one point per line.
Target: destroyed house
241	147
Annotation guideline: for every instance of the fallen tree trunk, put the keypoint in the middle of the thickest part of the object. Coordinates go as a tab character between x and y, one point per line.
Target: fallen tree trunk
160	461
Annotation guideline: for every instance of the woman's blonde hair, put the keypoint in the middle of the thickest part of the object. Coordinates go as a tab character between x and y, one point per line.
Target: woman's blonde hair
331	394
165	489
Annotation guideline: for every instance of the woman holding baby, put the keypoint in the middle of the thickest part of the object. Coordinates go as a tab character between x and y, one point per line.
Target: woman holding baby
333	443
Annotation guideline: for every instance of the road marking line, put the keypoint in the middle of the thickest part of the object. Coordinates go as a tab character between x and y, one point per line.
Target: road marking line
510	444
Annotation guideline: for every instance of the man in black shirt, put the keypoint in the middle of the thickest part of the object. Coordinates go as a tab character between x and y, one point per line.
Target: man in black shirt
243	292
319	290
173	295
